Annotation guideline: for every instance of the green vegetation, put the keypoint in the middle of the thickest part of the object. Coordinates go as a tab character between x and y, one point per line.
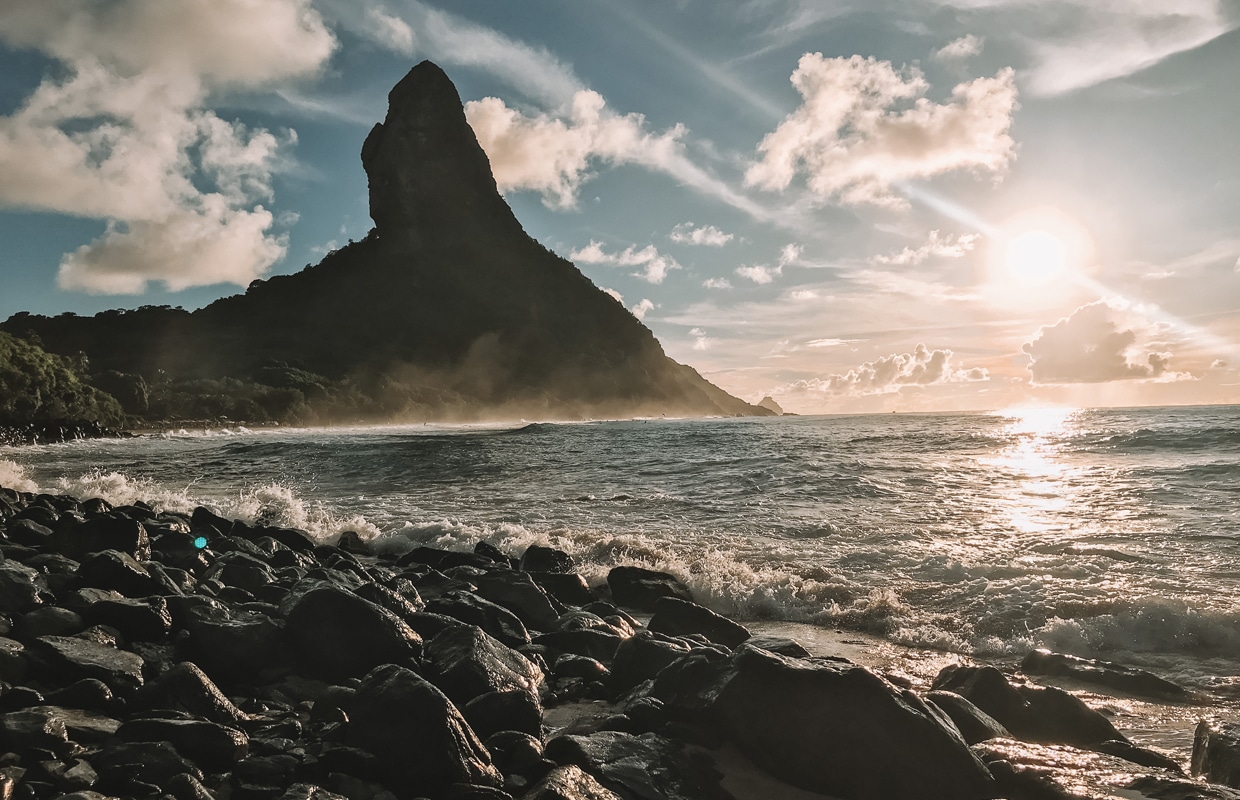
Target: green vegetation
37	386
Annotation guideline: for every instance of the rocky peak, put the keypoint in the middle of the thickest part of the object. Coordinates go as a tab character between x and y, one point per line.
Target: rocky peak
429	177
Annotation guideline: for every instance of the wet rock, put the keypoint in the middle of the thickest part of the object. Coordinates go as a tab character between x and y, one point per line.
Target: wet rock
28	532
513	710
538	558
336	635
1029	771
187	687
296	540
308	791
88	694
466	662
1104	673
155	763
241	570
518	593
974	724
73	659
646	767
779	645
110	532
21	588
568	587
496	620
837	728
13	663
568	665
1157	787
643	656
677	617
1138	755
443	559
85	727
48	621
71	775
31	730
569	783
1032	713
403	604
236	644
396	713
187	787
138	620
1216	752
212	746
641	588
113	569
516	753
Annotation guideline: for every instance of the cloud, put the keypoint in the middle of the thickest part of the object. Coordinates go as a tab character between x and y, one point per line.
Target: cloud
717	283
853	145
619	298
922	367
707	235
641	308
959	50
654	265
700	340
766	273
123	133
936	245
1097	343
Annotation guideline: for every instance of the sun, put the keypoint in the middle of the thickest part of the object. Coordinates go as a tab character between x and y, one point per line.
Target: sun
1035	257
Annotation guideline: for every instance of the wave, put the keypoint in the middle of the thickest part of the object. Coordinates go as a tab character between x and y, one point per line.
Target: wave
1166	439
13	476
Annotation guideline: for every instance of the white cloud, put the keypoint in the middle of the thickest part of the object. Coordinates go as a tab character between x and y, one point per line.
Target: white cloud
1097	343
700	340
717	283
618	297
959	50
641	308
830	342
766	273
853	145
707	235
922	367
936	245
654	265
125	134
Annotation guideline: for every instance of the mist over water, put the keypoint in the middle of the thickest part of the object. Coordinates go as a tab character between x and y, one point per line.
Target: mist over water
1106	533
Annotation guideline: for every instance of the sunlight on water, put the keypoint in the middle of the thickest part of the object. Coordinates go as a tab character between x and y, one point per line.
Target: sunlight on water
1036	485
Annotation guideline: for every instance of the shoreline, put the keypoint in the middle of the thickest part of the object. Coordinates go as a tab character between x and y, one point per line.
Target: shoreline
517	653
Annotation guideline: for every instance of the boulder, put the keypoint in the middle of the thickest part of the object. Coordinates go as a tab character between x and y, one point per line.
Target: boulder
466	662
496	620
836	728
640	588
642	657
84	727
88	694
48	621
308	791
677	617
974	724
72	659
31	730
242	571
21	587
569	783
108	532
138	620
119	571
512	710
596	644
1104	673
646	767
337	635
518	593
538	558
13	663
423	743
1216	752
443	559
211	746
238	645
29	533
154	763
568	587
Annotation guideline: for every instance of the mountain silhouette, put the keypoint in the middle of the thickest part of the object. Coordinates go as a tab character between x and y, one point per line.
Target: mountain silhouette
447	302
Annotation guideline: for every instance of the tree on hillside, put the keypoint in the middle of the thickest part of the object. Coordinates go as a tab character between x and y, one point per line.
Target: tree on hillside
37	386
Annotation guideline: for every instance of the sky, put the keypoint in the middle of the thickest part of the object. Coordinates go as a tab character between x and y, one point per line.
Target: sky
849	206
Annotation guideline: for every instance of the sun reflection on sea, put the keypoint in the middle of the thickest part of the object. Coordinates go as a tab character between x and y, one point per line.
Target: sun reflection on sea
1033	484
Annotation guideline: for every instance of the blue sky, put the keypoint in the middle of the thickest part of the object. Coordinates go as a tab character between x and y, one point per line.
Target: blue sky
929	204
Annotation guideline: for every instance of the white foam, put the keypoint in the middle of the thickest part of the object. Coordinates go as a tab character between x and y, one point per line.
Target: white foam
13	476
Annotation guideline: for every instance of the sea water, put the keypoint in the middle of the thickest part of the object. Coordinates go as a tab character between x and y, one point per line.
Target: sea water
1104	533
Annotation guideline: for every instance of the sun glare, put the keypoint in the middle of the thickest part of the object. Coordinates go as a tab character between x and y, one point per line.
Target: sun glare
1035	257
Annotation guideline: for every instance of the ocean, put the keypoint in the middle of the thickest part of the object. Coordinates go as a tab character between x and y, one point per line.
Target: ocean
1107	533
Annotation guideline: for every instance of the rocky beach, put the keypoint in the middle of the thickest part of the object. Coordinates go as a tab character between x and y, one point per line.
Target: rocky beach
149	653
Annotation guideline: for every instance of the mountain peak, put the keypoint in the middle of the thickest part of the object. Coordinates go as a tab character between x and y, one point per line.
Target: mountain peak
428	175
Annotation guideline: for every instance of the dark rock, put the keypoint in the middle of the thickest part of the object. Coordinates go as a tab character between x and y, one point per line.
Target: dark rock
465	662
205	522
213	747
1104	673
336	635
569	783
20	697
396	713
404	605
568	587
296	540
237	645
518	593
516	753
1157	787
48	621
641	657
308	791
241	570
490	551
21	588
1216	753
837	728
1032	713
1138	755
496	620
187	687
569	665
31	730
443	559
155	763
779	645
88	694
1028	771
187	787
113	569
513	710
596	644
974	724
73	659
144	620
646	767
29	533
85	727
538	558
352	542
677	617
13	663
428	625
111	532
71	775
641	588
